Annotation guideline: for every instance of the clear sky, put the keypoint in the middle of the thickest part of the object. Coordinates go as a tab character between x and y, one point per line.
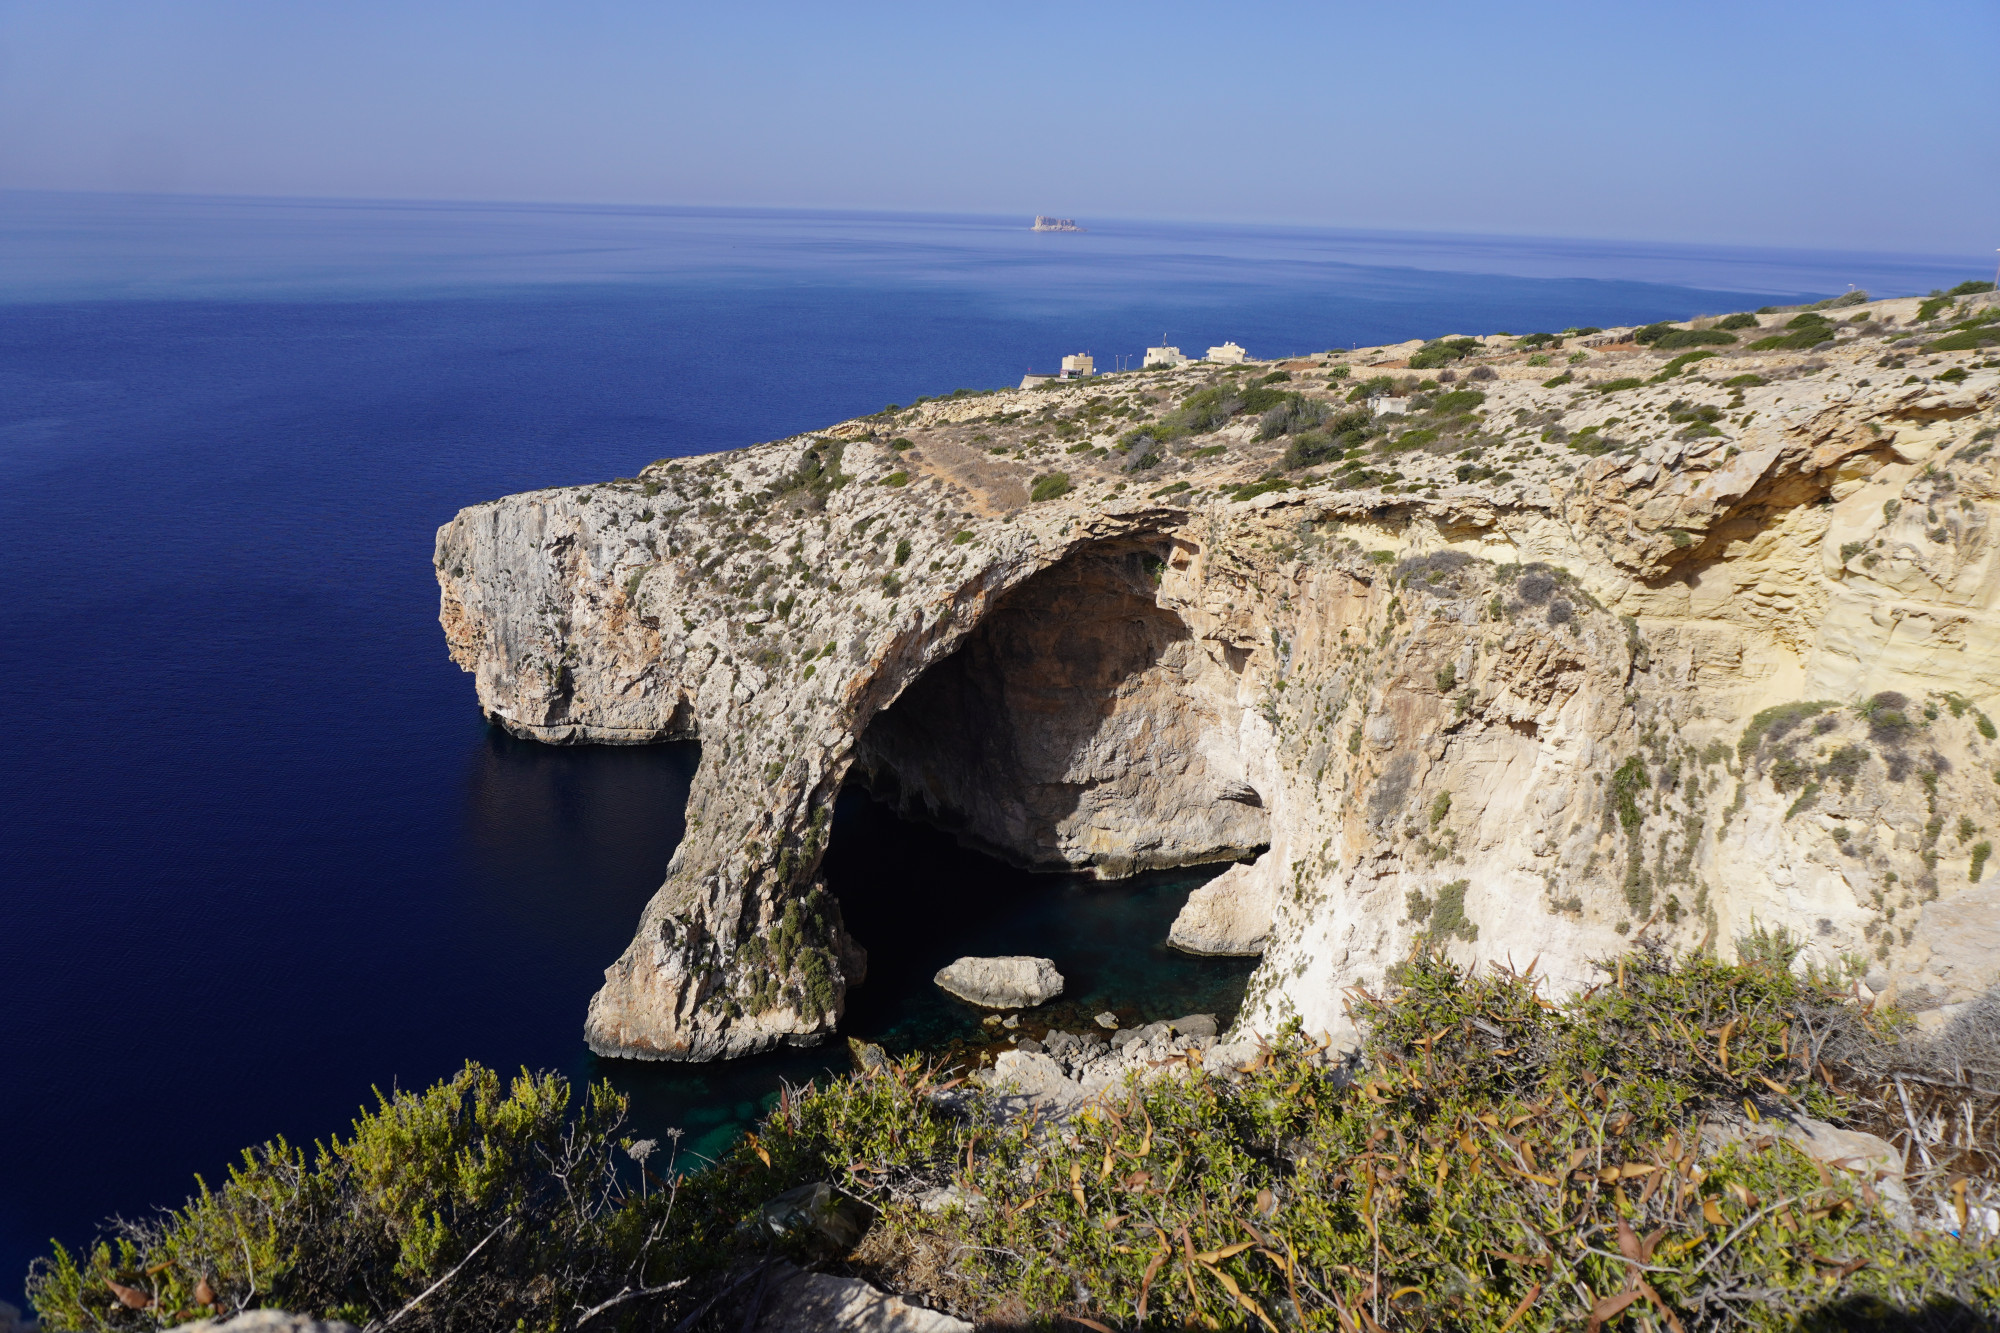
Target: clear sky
1840	123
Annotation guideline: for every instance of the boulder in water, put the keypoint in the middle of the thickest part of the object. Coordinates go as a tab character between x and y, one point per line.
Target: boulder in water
1013	982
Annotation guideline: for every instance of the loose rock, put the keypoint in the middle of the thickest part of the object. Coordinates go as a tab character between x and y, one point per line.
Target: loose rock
795	1301
816	1219
270	1321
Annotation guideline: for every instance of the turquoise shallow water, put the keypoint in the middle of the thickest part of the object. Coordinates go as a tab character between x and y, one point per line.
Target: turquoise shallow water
918	901
258	852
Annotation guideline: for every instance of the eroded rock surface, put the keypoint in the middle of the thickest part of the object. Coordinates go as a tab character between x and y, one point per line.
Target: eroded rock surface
1486	673
1231	914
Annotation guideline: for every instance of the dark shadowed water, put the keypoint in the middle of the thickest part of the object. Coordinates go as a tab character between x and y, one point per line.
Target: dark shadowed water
258	853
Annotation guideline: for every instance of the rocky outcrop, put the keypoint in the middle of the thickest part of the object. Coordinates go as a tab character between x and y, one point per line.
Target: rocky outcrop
1064	1072
1014	982
1498	680
1231	914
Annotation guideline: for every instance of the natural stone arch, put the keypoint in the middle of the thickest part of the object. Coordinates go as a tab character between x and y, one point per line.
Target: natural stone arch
1080	726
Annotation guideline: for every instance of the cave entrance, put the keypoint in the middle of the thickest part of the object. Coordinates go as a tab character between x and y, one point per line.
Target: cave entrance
1080	727
918	898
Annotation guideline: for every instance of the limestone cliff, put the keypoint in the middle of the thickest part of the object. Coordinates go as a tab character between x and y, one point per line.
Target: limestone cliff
1586	646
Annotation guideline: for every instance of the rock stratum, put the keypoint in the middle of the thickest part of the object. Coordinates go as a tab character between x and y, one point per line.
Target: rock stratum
1534	652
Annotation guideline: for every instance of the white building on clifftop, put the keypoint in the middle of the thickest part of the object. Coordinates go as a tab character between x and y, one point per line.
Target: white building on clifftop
1164	356
1078	367
1229	354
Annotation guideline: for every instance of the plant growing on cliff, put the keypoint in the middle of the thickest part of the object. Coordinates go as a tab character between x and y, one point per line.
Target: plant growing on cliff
1442	352
1049	486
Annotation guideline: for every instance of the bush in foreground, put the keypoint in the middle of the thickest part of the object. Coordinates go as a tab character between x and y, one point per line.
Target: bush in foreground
1493	1162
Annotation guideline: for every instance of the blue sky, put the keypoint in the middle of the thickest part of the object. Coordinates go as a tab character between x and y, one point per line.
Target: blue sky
1841	125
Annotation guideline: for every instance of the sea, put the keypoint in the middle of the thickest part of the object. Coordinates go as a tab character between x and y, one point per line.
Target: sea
261	859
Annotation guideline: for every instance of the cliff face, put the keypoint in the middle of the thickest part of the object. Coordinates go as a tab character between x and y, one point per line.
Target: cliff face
1543	669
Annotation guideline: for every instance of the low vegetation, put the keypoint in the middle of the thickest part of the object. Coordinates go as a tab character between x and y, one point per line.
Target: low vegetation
1493	1161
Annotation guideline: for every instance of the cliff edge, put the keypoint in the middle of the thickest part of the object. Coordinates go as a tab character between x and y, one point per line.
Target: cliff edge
1535	649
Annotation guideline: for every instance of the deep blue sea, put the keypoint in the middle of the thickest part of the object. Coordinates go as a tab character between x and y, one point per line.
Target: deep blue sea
258	853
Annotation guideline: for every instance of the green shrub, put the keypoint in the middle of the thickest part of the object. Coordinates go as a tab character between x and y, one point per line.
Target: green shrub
1743	381
524	1207
1744	320
1410	439
897	478
1806	331
1888	717
1485	1168
1295	412
1651	334
1627	781
1617	385
902	551
1680	363
1333	440
1442	352
1459	400
1262	486
1495	1161
1981	851
1965	340
1693	338
1049	486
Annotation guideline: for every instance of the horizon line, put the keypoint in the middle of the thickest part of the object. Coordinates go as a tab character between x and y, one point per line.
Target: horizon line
607	205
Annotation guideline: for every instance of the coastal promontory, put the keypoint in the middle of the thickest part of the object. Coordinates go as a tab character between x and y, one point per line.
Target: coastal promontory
1525	648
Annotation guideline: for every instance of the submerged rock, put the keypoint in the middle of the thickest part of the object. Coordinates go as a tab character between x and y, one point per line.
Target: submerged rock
1013	982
